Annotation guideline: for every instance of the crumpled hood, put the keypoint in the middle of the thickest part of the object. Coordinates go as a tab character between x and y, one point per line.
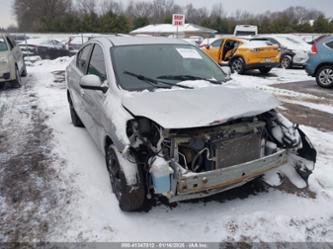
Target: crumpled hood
178	109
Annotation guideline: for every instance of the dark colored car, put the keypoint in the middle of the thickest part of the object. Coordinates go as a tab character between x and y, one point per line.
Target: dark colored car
320	63
45	48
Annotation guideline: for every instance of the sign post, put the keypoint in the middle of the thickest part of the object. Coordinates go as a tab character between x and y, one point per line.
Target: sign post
178	20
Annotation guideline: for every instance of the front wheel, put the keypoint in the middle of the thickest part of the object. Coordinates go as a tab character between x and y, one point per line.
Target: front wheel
237	65
324	76
265	70
18	80
130	198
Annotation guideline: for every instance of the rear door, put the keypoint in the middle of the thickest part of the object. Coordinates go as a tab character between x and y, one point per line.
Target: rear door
76	70
267	52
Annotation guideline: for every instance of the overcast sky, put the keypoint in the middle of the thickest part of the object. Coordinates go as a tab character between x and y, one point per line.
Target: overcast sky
230	6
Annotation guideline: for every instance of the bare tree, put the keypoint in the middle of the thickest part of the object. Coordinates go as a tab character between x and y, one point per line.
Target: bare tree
162	9
110	5
31	13
86	6
194	15
217	11
139	9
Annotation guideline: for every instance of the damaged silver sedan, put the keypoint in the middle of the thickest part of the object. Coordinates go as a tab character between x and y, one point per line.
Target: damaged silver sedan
168	124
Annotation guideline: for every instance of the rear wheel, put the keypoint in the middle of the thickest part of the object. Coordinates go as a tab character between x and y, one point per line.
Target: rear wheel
130	198
237	65
324	76
265	70
286	62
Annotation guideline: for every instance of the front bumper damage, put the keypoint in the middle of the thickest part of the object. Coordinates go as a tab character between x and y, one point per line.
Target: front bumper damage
189	185
186	185
185	164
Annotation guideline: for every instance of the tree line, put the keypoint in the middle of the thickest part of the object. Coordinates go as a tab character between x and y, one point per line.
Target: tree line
109	16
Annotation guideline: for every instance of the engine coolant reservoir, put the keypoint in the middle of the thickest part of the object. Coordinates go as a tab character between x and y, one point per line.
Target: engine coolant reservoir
160	172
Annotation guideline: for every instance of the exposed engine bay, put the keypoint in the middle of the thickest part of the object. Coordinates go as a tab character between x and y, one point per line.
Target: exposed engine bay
211	159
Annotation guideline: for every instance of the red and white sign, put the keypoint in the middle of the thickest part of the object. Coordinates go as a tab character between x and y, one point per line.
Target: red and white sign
178	20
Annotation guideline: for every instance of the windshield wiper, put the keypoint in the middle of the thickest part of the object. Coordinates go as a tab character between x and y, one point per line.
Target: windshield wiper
188	77
154	82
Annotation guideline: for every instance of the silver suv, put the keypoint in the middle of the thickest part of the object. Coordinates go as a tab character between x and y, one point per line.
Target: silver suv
12	65
168	125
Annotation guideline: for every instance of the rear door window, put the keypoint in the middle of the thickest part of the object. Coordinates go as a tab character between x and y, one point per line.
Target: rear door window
83	58
97	63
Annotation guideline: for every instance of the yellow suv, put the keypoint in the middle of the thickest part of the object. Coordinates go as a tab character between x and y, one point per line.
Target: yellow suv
243	55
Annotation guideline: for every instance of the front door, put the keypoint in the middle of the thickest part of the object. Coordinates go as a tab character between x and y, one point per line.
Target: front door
213	50
94	100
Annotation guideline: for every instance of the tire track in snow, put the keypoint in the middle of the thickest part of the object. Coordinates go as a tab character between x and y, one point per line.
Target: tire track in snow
32	192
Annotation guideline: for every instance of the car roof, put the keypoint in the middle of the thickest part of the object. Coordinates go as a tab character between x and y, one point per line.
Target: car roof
124	41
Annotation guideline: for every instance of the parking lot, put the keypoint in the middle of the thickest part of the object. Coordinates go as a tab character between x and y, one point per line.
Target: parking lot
55	186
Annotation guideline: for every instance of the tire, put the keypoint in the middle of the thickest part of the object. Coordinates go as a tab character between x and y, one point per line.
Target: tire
130	198
265	70
286	62
75	118
237	65
24	72
324	77
18	80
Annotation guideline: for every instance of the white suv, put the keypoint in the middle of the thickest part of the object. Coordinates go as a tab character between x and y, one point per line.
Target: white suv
12	65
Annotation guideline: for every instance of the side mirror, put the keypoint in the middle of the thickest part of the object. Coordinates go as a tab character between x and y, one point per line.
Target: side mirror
92	82
227	72
207	47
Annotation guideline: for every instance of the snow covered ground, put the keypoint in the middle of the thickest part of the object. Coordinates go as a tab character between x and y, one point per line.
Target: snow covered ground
84	208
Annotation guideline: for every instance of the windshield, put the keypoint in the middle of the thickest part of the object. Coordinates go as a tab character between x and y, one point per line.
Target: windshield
3	45
154	61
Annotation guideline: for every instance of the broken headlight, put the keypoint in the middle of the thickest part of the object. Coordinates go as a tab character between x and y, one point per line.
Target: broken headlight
283	132
143	131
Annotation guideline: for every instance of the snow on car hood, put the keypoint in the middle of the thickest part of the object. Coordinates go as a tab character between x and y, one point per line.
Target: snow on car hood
199	107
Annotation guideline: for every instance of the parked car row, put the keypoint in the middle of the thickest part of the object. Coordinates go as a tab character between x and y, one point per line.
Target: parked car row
243	54
261	52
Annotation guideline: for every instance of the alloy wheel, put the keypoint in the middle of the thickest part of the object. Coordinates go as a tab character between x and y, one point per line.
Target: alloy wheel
285	63
237	66
326	77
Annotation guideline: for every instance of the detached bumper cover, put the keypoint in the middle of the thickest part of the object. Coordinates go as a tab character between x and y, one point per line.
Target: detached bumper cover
197	185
